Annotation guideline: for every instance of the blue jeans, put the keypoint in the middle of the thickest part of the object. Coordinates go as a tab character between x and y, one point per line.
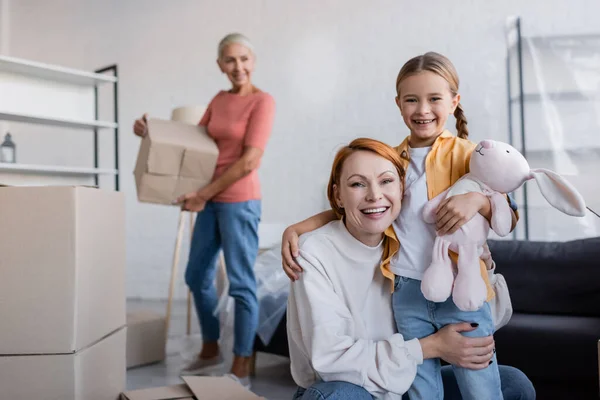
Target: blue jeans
234	228
416	317
334	390
515	386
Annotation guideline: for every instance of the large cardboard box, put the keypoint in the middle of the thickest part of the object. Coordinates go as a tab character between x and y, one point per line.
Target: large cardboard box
62	268
146	338
175	158
195	387
94	373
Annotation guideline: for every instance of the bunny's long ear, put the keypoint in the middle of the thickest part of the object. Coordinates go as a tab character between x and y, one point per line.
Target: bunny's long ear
559	192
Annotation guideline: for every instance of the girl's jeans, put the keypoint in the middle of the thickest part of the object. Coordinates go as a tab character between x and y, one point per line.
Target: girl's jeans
416	317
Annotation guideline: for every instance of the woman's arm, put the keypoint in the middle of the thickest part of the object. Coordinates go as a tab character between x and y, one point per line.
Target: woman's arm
321	327
207	114
248	162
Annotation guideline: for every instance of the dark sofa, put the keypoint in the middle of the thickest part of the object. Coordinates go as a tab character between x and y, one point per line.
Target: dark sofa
554	332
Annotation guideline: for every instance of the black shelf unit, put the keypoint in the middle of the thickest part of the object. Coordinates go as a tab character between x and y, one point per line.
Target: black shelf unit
113	69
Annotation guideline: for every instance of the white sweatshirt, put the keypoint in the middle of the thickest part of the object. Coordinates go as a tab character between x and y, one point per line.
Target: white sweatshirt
339	318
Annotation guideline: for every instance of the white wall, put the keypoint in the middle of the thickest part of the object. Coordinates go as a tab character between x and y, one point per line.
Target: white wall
4	25
4	39
330	64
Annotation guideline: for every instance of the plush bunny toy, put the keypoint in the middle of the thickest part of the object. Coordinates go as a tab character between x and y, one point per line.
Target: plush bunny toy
495	168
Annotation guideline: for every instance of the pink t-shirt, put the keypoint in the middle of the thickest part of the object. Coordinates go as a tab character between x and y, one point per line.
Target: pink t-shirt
235	122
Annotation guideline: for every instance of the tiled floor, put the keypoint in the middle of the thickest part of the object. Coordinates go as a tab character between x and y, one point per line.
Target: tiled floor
272	380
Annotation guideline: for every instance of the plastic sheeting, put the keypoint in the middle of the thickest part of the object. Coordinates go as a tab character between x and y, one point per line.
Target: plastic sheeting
557	90
273	288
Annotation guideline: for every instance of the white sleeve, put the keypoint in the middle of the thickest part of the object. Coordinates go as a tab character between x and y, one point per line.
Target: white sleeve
327	333
500	304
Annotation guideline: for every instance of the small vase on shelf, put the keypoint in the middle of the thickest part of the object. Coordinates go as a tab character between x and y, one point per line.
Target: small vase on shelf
8	150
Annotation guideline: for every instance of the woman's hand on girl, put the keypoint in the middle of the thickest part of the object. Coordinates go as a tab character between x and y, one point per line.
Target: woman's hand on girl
451	346
457	210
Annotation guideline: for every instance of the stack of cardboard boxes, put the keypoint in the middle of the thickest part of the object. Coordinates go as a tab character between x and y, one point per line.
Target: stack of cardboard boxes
64	334
62	293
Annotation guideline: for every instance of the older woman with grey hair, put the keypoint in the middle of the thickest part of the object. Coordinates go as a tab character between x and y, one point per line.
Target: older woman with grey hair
229	208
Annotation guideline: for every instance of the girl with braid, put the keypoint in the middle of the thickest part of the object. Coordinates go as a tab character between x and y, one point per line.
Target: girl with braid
434	159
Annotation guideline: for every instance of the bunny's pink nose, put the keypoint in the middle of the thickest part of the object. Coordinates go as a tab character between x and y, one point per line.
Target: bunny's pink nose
487	144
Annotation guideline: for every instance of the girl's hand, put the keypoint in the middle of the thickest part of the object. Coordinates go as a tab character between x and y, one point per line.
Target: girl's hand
457	210
451	346
289	250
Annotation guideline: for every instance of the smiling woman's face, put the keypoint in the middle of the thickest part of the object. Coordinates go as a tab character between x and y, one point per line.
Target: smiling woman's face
237	62
370	192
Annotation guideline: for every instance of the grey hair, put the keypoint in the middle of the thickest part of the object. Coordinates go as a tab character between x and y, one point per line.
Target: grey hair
235	38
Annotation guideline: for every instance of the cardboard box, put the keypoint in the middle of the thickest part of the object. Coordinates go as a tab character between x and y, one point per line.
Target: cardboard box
62	268
146	338
94	373
175	158
195	387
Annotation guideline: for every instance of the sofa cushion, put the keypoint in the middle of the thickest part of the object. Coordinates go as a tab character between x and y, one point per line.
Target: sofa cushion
551	347
559	278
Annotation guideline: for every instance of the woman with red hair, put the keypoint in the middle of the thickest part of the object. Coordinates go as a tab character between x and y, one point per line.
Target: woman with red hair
340	326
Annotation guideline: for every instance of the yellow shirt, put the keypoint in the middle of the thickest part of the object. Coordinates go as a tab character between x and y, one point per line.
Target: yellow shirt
447	161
